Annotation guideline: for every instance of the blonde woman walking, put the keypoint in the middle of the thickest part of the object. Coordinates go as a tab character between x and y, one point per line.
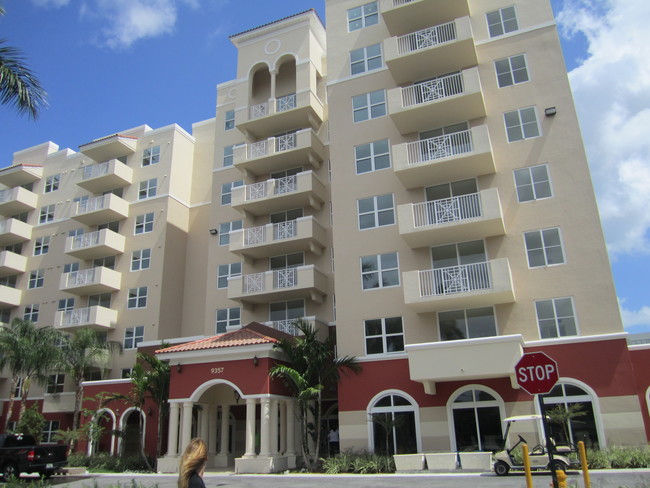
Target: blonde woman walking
193	464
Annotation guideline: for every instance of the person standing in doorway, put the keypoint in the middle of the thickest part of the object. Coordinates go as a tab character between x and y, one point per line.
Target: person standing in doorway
193	461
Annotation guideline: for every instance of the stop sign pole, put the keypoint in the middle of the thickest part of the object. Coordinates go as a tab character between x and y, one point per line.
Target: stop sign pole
537	374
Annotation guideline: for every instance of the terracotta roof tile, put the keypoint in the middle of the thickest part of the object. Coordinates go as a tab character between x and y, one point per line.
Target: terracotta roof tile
107	137
274	22
253	333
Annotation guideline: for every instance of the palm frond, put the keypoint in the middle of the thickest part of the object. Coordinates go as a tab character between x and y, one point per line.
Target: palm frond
18	85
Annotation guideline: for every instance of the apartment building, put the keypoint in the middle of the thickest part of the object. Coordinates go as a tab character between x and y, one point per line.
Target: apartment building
410	178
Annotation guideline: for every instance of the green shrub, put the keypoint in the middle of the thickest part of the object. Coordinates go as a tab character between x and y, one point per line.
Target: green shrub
618	458
21	483
358	462
104	462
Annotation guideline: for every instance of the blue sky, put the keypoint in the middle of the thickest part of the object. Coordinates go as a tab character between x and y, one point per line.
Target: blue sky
109	65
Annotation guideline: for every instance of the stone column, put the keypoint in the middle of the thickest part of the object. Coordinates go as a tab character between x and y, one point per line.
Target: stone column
272	107
204	423
186	429
172	440
224	443
265	428
283	427
212	433
273	428
291	427
251	403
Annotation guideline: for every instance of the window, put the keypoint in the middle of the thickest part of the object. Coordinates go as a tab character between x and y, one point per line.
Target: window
521	124
467	324
225	229
36	278
397	414
105	262
31	312
533	183
285	215
114	226
225	271
376	211
384	335
19	388
65	304
285	261
151	156
476	417
226	191
369	105
92	375
47	214
230	120
41	245
364	16
365	59
511	71
76	232
144	223
100	300
556	318
148	189
140	259
228	155
567	396
379	271
55	383
70	267
283	314
16	248
126	372
133	336
52	183
502	21
9	281
372	156
227	317
544	248
137	297
50	428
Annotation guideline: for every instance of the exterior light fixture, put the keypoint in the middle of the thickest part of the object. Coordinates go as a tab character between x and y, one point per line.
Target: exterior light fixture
214	232
550	111
179	368
237	396
256	361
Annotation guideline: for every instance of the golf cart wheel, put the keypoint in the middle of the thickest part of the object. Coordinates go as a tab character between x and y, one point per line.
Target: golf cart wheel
559	466
501	468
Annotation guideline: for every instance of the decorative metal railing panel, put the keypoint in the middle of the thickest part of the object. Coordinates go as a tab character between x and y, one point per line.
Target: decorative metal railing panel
452	209
425	38
82	277
80	316
286	326
257	149
259	110
285	230
285	142
432	90
286	102
255	236
455	279
92	204
254	283
439	147
288	184
85	240
256	190
285	278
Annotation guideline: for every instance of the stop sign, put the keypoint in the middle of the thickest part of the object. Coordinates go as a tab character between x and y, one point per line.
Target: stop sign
536	373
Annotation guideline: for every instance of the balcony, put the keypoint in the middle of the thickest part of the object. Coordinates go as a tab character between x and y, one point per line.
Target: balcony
303	109
450	157
91	281
464	360
98	178
288	327
93	245
443	48
12	263
111	147
465	286
297	191
456	219
402	16
280	284
303	234
58	402
98	318
102	209
13	231
17	200
436	103
20	174
9	297
279	153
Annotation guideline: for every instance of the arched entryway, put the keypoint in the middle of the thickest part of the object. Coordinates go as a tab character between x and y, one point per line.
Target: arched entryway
132	433
104	441
475	414
394	423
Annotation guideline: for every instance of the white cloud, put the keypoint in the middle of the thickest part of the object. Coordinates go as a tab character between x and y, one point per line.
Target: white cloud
611	88
51	3
127	21
635	320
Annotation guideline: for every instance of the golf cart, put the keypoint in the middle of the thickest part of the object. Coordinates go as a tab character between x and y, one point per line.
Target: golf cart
505	460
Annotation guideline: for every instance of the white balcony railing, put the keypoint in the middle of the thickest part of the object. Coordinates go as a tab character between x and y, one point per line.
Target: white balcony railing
6	195
431	90
455	279
425	38
92	204
446	210
95	170
282	278
439	147
281	143
274	186
82	277
79	316
286	102
281	230
84	241
259	110
286	326
397	3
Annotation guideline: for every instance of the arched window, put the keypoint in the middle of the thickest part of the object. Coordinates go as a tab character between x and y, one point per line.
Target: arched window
394	424
476	416
571	409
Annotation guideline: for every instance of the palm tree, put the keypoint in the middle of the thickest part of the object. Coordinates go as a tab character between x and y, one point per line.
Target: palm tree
30	353
313	366
158	375
82	351
18	85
